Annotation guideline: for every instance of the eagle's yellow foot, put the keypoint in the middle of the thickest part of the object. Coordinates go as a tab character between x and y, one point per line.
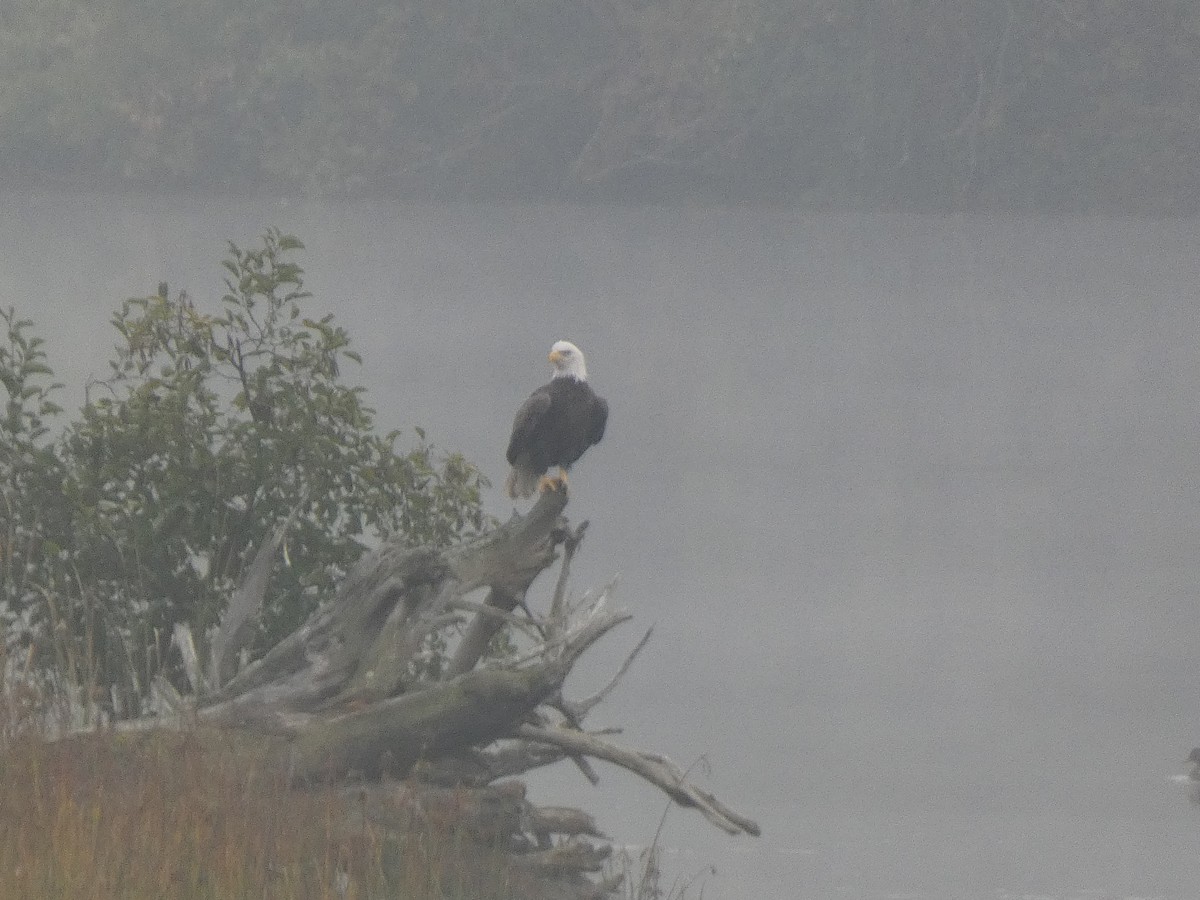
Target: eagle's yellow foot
552	482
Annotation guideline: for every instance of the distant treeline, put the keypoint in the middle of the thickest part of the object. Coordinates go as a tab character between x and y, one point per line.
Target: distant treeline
1025	104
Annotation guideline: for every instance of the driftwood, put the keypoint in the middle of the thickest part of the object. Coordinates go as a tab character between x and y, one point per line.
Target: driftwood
354	697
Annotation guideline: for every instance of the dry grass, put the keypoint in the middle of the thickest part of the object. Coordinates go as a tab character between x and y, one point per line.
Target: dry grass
164	816
185	816
190	815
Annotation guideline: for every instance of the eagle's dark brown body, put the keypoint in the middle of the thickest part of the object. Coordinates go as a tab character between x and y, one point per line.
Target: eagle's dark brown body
554	427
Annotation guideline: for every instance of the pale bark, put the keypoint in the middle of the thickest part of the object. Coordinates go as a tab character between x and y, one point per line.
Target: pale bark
349	697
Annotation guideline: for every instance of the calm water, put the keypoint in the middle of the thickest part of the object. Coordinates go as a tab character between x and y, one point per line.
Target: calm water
913	503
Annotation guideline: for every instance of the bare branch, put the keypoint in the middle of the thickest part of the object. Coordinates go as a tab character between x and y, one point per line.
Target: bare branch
656	769
237	622
527	625
547	820
583	628
570	545
579	709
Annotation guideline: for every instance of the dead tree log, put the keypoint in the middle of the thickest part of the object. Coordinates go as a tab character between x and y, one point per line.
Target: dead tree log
357	694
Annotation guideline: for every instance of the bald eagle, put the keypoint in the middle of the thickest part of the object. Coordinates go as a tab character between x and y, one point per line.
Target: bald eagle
555	425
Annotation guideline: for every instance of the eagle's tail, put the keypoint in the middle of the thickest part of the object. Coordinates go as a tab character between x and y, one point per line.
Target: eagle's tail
520	483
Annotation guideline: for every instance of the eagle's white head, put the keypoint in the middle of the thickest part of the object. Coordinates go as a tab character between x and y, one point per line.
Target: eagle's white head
568	361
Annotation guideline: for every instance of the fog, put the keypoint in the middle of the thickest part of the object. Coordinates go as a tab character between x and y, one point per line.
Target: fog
911	502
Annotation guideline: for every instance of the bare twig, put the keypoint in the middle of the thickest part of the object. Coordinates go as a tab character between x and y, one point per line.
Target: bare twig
579	709
656	769
570	545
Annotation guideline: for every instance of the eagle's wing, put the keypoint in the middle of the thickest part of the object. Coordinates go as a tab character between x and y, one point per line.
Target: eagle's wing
599	419
528	417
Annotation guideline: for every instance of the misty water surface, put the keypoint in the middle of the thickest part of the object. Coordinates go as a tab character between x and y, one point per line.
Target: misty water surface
912	502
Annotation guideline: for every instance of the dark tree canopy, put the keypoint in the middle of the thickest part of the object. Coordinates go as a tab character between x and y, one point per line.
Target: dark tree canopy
1071	104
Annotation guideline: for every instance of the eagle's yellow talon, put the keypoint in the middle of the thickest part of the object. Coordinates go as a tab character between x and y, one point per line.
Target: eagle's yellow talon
552	483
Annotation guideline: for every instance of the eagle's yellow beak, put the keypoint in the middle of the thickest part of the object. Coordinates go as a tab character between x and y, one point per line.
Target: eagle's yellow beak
555	357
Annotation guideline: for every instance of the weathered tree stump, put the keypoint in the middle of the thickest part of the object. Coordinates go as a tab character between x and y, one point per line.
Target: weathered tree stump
353	695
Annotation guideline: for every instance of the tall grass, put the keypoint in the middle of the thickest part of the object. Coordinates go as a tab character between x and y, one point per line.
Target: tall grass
164	816
186	815
193	815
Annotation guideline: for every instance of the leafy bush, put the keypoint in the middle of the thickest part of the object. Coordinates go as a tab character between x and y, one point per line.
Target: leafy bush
30	469
210	428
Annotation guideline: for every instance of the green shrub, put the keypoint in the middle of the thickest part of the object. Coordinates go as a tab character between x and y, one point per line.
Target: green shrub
210	428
